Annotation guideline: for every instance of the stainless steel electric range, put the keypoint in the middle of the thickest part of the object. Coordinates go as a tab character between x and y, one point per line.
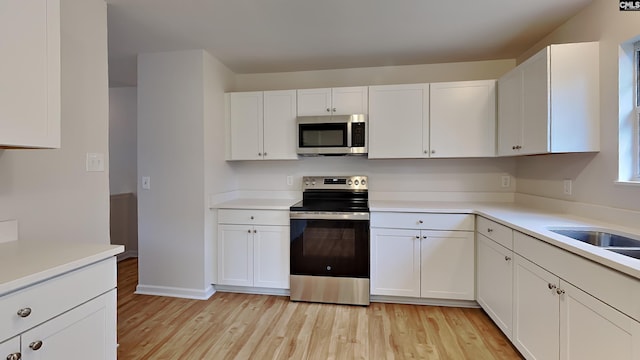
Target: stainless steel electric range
330	241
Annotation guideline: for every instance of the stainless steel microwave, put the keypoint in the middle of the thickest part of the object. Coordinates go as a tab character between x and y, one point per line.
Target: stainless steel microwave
332	135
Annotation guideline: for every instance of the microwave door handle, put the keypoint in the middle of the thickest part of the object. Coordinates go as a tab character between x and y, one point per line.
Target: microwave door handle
349	124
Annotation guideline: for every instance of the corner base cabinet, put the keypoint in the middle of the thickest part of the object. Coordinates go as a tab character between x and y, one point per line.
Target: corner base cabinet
72	316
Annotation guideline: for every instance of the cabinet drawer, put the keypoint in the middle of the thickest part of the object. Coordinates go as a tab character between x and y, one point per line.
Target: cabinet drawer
496	232
55	296
422	221
253	217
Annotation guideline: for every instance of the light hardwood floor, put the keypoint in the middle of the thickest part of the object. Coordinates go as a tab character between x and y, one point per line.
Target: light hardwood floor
241	326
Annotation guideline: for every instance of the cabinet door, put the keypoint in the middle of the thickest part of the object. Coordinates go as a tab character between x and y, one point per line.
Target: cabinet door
395	262
245	122
535	104
314	102
349	100
510	113
399	121
85	332
536	312
462	119
280	125
271	257
448	265
495	282
30	73
10	348
235	255
590	329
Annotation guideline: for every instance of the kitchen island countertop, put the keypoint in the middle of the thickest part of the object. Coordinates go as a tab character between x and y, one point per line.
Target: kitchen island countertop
24	263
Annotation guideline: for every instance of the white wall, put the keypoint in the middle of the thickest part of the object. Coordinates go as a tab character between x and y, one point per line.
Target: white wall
593	174
179	103
49	191
123	115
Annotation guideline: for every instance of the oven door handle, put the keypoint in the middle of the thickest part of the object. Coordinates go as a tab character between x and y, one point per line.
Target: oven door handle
314	215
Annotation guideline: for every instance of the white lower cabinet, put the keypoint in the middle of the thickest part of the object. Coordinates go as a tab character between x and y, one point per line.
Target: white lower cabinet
253	255
536	311
72	316
82	333
421	263
494	274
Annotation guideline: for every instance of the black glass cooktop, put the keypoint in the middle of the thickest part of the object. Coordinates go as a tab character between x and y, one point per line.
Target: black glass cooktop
333	201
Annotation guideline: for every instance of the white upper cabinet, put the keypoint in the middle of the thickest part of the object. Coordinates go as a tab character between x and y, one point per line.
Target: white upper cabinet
550	102
336	101
399	121
261	125
462	119
30	73
452	119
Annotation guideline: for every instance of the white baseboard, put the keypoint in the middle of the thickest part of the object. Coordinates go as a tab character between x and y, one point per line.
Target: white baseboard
176	292
127	255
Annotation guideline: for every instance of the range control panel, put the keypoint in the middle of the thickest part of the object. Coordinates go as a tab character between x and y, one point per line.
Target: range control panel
335	182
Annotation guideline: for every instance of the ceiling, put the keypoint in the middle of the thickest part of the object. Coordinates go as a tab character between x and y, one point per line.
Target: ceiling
258	36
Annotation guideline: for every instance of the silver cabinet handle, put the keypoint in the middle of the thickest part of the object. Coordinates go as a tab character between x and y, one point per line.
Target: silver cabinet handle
507	258
36	345
328	110
420	222
417	236
425	151
489	230
265	153
551	286
255	231
259	154
433	151
14	356
560	291
249	231
424	237
251	218
334	109
23	313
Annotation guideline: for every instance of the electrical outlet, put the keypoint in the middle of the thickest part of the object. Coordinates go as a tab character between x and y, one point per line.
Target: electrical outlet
290	180
567	186
506	181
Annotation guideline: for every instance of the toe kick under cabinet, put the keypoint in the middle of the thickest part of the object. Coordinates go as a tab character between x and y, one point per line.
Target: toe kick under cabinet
423	255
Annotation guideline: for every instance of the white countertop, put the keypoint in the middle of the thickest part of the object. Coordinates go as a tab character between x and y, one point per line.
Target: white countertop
23	263
257	204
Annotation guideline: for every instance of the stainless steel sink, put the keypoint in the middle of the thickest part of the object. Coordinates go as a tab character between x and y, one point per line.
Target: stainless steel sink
617	243
599	238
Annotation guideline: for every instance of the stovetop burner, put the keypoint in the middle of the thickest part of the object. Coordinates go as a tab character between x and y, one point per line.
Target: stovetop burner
334	194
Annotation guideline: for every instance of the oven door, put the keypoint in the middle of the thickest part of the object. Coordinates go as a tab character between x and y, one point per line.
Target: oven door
330	244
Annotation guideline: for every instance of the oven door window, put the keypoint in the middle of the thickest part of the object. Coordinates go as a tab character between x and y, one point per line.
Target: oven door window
330	248
323	135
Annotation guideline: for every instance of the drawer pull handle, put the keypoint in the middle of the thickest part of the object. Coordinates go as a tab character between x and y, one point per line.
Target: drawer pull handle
36	345
14	356
420	222
551	286
507	258
489	230
23	313
252	218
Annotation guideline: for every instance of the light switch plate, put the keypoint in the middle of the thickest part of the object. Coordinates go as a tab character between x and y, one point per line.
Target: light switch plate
95	162
146	182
